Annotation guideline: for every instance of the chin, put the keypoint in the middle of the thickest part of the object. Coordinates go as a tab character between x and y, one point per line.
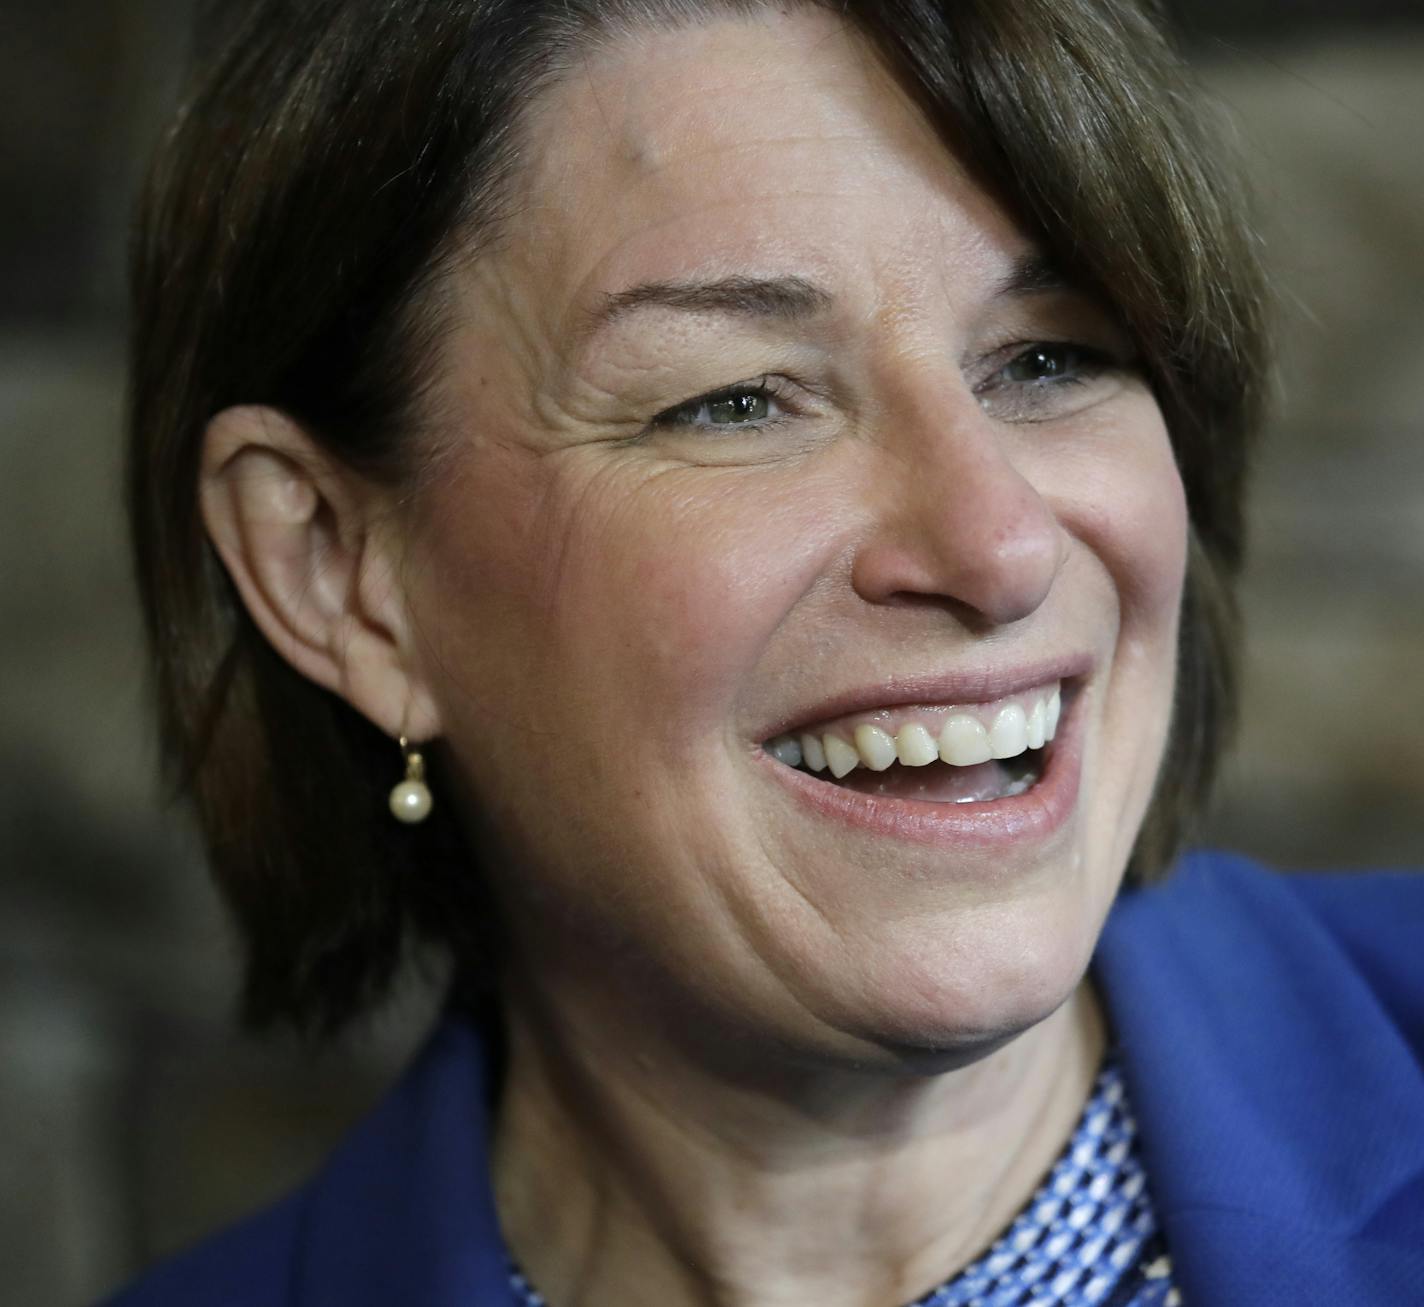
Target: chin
957	1006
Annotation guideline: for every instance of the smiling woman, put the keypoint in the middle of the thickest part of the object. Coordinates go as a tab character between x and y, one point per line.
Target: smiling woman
771	477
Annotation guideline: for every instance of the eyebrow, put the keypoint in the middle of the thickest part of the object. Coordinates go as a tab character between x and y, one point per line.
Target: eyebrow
1034	273
788	298
784	298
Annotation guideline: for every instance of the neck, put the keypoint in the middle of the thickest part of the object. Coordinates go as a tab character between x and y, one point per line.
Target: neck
626	1177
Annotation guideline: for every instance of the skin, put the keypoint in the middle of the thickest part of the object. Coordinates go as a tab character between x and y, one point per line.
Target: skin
757	1055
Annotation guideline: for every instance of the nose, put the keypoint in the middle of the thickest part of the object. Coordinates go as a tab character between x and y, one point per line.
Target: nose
956	520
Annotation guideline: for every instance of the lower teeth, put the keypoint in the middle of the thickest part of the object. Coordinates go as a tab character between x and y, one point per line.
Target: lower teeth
941	783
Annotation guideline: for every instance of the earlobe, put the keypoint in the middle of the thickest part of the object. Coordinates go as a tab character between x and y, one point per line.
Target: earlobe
293	528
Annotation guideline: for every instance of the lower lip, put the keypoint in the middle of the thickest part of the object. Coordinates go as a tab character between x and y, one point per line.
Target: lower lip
1025	818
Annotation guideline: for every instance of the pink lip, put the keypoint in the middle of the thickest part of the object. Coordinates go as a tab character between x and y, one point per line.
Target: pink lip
1027	817
970	686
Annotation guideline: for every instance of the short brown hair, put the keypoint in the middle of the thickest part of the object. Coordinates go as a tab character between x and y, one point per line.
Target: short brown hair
334	154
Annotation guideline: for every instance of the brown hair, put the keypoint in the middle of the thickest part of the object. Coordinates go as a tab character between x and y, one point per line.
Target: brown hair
334	155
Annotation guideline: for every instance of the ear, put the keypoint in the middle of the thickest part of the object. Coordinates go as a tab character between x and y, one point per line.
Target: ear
312	550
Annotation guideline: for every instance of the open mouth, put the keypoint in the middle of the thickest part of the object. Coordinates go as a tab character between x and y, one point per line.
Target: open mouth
977	753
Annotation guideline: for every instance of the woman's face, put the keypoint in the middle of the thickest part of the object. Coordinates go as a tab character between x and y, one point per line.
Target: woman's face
765	421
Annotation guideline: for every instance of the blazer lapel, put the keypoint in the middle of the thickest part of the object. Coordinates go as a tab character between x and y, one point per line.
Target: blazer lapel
403	1212
1282	1113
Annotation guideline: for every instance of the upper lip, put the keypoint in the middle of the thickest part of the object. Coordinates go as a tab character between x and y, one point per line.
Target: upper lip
969	685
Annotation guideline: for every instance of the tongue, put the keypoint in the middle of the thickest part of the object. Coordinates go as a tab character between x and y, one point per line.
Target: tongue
936	783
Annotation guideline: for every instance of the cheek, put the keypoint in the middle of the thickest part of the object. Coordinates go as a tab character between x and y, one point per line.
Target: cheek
614	585
711	573
1154	564
685	574
1129	508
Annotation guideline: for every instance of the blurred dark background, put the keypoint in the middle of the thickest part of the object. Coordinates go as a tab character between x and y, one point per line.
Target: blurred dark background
133	1119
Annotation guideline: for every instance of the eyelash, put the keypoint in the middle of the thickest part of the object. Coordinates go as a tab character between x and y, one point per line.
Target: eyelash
1091	363
766	387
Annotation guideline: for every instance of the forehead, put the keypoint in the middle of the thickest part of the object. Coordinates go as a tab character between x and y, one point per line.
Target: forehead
740	142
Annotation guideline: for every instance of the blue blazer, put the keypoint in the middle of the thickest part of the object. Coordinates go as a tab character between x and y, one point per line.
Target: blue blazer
1272	1034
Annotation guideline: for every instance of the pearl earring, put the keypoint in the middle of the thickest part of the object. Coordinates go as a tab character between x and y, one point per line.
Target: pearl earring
410	800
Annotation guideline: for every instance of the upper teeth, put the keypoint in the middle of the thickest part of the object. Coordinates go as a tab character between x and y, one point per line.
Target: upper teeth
914	736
